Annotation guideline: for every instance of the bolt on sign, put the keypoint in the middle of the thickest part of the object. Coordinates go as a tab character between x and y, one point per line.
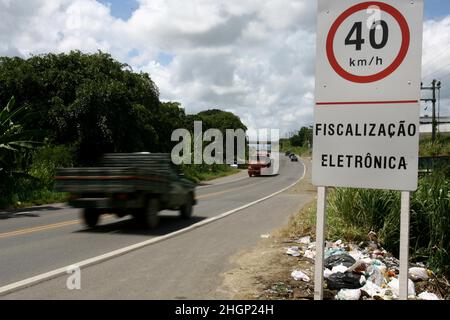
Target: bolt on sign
366	132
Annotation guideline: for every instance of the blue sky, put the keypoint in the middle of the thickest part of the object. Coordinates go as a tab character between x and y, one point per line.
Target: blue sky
437	8
123	9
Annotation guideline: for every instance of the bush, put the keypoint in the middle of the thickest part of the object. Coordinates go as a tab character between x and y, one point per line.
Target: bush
197	173
47	159
441	147
35	186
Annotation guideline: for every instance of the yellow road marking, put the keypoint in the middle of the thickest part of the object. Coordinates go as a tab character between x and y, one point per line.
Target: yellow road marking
43	228
74	222
40	228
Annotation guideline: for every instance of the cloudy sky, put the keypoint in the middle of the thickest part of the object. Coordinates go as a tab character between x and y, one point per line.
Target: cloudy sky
254	58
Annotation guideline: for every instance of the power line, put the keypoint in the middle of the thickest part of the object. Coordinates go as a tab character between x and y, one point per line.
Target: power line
437	56
437	71
445	77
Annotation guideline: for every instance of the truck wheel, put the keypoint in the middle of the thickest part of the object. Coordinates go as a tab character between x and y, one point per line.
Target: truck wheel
186	209
149	216
91	217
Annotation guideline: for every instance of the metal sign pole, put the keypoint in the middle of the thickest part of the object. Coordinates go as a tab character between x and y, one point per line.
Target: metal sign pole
320	241
404	245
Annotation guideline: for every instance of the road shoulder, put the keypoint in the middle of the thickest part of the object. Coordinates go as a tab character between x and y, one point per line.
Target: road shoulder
265	268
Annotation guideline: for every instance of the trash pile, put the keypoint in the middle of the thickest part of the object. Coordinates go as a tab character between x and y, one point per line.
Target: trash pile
362	274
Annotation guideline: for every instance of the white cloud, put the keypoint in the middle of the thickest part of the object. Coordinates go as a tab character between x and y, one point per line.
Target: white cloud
436	59
255	58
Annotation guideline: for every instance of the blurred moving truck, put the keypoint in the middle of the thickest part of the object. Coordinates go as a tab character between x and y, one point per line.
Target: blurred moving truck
138	184
261	165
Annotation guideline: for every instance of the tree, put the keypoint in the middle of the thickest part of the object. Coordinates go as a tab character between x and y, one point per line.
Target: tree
172	117
90	101
303	138
218	119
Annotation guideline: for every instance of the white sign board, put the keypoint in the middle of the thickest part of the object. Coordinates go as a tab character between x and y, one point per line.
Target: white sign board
366	132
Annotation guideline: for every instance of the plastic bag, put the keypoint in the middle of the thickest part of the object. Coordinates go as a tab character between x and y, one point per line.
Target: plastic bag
395	284
339	259
299	275
333	251
375	275
418	274
305	240
327	273
372	289
340	268
349	294
428	296
349	280
310	254
293	251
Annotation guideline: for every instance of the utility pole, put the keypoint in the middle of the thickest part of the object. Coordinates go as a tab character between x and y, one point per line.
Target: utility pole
435	85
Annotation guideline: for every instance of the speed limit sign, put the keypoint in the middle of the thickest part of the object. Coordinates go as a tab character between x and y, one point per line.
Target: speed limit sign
368	77
377	62
369	49
366	130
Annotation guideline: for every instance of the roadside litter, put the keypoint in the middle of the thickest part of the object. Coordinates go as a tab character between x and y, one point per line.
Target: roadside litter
339	259
428	296
419	274
349	294
293	251
304	240
364	274
348	280
299	275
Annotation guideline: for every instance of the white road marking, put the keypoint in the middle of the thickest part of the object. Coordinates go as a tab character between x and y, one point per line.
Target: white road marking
116	253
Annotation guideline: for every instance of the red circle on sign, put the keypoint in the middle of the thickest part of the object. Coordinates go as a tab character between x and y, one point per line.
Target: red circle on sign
406	38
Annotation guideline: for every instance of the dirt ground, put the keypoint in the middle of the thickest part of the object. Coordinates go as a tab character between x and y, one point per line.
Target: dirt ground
264	273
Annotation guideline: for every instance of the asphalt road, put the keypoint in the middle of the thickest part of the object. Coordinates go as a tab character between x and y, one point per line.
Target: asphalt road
186	266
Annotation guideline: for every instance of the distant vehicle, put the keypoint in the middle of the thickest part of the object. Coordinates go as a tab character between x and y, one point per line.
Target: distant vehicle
140	184
288	153
260	165
294	158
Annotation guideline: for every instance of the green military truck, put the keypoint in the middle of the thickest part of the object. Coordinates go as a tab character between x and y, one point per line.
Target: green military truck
140	184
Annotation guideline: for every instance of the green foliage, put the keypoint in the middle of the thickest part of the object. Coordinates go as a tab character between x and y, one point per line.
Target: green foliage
353	213
304	138
198	173
300	143
441	147
35	185
13	138
47	159
285	145
218	119
90	101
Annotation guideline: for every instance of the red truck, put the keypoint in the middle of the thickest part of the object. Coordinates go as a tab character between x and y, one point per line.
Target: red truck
257	164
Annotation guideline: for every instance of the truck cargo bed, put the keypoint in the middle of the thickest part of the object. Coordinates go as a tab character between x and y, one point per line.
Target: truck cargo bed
118	173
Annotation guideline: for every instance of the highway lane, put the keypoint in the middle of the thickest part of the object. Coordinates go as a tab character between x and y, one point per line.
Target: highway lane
51	237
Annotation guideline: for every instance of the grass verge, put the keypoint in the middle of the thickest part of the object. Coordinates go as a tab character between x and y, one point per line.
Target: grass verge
353	213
